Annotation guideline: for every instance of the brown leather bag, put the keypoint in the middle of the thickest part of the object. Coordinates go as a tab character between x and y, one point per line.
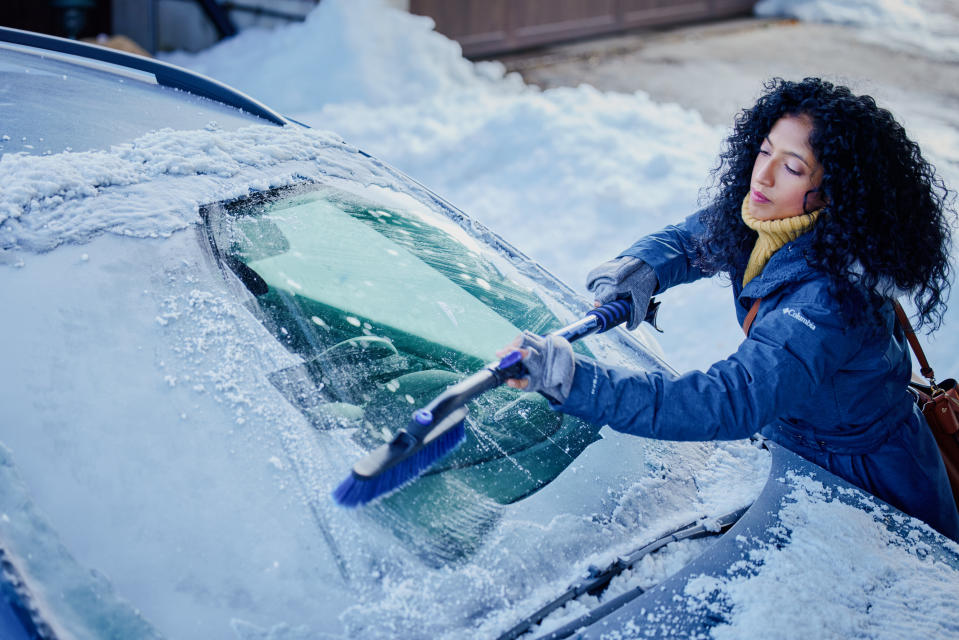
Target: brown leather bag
939	404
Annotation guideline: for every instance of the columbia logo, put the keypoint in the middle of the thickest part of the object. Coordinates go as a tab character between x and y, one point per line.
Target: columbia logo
792	313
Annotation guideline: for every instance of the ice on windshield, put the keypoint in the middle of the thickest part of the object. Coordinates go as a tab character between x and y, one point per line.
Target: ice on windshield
386	310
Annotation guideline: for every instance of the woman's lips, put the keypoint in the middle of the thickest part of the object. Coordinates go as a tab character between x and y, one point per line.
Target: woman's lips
759	198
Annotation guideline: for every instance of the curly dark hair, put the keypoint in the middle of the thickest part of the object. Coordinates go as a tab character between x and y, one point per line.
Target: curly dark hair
886	228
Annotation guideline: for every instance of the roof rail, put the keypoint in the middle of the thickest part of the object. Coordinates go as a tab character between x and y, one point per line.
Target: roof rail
166	74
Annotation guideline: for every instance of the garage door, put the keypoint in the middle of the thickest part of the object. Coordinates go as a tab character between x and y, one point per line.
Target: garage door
486	27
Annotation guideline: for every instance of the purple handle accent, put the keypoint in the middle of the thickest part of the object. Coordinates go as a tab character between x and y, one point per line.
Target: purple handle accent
423	417
510	359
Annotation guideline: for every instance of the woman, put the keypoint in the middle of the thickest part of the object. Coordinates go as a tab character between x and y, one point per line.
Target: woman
825	212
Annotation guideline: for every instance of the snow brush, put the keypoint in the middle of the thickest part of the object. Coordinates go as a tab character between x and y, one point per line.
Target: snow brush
437	429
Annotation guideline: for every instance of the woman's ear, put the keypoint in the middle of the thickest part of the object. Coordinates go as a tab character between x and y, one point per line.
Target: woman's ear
814	200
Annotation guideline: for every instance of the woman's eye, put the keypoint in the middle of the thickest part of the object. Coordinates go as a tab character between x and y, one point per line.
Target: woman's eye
792	171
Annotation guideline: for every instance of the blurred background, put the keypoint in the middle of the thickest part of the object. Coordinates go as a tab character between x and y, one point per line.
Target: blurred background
482	27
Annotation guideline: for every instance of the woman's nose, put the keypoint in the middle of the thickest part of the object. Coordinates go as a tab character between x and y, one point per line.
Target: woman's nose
763	173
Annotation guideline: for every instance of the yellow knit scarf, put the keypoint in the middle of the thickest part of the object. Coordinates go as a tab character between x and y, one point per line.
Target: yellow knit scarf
773	234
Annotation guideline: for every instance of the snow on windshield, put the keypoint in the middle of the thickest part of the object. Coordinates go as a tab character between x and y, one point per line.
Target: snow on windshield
178	460
129	189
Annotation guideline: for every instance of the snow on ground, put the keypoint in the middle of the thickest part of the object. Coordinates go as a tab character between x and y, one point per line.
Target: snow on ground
930	27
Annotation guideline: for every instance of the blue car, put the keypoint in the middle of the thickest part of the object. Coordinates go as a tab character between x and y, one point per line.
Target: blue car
212	311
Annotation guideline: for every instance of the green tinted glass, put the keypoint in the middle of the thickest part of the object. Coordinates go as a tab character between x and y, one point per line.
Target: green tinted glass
387	306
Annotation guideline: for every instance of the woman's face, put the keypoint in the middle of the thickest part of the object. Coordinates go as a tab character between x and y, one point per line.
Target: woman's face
785	171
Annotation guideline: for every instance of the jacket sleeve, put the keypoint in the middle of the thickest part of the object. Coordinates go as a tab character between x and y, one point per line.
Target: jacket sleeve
670	252
790	350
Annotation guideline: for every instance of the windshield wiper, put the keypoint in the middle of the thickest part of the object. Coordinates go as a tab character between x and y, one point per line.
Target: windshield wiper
598	579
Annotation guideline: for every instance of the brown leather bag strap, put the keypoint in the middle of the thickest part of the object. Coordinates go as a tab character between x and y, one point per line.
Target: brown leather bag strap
748	321
903	319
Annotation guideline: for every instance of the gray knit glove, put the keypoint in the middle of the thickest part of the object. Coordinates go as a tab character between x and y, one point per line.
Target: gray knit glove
624	278
550	363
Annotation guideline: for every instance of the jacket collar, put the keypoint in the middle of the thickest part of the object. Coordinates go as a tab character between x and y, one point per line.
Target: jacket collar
788	264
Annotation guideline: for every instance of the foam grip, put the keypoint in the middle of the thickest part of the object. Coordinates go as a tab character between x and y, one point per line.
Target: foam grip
611	314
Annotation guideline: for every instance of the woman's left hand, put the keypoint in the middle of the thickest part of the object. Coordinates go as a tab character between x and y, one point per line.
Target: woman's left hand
550	362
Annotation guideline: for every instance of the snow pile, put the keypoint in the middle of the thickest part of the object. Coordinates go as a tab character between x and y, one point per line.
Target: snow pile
355	51
929	26
890	588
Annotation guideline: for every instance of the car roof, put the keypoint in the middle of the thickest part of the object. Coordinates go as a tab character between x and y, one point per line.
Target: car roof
165	74
62	95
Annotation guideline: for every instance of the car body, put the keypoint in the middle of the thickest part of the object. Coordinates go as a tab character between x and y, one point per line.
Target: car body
214	310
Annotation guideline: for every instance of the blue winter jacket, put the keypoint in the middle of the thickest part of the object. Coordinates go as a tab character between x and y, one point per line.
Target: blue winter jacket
835	394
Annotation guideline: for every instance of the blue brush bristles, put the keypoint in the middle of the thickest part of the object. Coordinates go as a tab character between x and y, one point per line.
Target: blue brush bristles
357	490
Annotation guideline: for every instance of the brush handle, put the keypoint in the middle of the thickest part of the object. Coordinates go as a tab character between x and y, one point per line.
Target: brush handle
598	320
437	428
454	397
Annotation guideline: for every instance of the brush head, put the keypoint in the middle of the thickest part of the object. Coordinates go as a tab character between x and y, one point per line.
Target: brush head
392	465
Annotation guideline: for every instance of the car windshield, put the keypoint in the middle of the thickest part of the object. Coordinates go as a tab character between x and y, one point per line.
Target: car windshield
387	306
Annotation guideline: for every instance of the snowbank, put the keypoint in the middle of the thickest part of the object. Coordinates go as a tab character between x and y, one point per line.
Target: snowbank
359	51
926	26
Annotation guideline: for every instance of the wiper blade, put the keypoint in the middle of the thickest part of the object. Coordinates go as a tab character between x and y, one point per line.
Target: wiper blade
598	579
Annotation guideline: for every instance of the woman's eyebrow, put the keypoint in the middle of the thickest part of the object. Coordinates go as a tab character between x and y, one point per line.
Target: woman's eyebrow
789	153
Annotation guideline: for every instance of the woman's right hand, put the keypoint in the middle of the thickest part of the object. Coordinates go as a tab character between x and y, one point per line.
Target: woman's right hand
550	365
624	278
